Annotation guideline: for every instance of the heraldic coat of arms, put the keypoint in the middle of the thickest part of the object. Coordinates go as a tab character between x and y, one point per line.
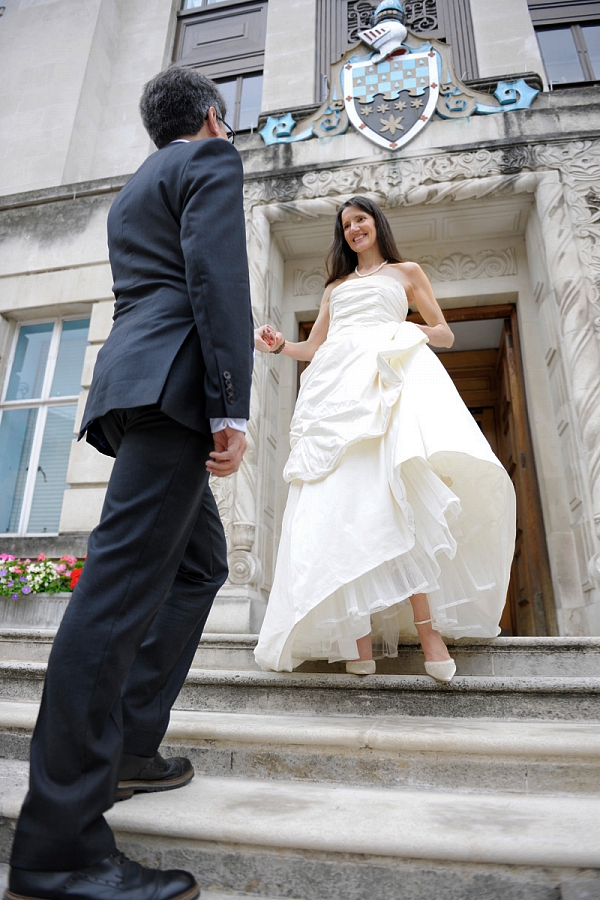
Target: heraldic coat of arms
391	100
391	84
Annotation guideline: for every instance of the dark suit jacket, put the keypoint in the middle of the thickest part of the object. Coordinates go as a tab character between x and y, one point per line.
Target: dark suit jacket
182	332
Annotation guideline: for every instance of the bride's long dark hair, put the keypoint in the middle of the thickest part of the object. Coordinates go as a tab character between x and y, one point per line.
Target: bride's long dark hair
341	258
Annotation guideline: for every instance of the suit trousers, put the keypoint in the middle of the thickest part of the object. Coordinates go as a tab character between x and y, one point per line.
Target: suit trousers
127	639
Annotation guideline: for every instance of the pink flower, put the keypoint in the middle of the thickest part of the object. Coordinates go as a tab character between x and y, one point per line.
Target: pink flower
61	568
41	557
70	560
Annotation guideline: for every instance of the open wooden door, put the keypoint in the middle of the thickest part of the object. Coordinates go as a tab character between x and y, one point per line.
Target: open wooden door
530	596
491	384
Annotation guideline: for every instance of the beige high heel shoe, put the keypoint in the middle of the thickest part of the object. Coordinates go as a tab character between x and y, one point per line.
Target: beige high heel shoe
443	670
361	667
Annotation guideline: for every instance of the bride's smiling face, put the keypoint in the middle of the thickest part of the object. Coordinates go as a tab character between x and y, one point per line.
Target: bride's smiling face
359	229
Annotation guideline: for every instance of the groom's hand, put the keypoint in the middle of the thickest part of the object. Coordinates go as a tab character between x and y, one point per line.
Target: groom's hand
230	446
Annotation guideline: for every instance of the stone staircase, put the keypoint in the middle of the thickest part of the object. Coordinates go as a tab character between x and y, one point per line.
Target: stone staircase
323	786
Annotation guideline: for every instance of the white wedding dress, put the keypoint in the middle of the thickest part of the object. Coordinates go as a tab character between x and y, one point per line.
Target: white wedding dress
393	491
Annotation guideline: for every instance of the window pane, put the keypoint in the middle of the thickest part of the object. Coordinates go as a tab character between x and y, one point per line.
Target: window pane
29	366
560	56
227	88
50	481
69	364
16	436
250	102
591	35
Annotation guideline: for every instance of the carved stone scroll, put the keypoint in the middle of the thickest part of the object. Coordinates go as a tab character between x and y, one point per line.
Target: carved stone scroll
464	266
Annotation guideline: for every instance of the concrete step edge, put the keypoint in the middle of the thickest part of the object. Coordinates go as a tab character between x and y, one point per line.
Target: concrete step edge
399	734
504	829
416	683
419	683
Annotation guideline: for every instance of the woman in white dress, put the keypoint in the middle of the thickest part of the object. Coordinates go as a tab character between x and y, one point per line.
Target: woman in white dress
399	519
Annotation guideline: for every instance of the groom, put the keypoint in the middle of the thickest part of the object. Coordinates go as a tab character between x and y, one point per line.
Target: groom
176	367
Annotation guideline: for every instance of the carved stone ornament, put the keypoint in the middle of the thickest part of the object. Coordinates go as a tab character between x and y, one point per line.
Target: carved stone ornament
390	85
463	266
244	566
307	284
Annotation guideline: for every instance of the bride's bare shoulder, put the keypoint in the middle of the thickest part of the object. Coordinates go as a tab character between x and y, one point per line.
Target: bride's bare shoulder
407	270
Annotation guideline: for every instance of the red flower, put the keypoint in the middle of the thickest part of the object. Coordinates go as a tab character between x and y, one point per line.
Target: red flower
75	576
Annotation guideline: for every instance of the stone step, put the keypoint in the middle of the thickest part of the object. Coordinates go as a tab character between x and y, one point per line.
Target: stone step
575	699
395	751
504	656
316	841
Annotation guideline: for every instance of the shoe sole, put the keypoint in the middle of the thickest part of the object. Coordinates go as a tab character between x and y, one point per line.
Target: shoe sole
192	894
126	789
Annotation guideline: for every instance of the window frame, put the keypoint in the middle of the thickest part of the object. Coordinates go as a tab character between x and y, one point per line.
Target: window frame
42	403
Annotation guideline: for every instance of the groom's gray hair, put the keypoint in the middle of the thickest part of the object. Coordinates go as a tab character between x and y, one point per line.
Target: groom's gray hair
176	102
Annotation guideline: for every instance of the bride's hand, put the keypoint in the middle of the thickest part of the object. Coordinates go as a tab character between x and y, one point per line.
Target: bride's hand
266	339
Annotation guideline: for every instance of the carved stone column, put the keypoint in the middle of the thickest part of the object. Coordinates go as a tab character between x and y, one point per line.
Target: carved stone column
576	300
239	607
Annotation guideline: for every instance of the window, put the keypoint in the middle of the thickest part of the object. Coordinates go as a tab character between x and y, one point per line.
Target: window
242	96
569	37
37	418
571	55
226	41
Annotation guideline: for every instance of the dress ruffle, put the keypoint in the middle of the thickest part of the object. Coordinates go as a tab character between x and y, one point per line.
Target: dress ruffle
394	491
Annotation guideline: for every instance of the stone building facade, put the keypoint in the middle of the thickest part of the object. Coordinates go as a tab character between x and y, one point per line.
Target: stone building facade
501	210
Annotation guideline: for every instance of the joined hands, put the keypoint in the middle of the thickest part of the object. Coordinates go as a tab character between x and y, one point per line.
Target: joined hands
267	340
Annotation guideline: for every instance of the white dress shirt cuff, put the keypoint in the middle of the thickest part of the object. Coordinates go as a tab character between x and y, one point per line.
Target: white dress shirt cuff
220	424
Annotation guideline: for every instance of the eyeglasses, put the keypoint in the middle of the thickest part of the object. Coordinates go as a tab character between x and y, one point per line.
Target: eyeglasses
230	133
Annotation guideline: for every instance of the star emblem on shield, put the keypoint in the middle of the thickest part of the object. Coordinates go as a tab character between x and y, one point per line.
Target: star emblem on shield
392	100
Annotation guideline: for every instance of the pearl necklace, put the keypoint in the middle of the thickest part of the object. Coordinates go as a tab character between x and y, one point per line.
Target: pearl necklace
366	274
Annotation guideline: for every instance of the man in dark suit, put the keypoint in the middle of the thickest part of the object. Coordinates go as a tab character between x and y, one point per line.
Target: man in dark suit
169	399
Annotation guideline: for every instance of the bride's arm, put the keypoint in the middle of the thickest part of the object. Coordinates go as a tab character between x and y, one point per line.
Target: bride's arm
301	350
420	292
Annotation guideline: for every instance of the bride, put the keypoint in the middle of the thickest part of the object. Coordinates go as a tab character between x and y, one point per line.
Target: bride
399	519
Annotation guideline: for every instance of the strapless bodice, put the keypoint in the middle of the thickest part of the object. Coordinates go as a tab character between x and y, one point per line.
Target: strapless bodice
366	301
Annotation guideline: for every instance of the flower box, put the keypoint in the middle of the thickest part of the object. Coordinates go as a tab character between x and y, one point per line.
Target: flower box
33	611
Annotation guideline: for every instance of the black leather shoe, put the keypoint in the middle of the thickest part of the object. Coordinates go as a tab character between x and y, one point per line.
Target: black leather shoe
115	878
138	774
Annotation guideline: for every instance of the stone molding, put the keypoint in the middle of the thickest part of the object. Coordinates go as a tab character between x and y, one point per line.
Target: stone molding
564	179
